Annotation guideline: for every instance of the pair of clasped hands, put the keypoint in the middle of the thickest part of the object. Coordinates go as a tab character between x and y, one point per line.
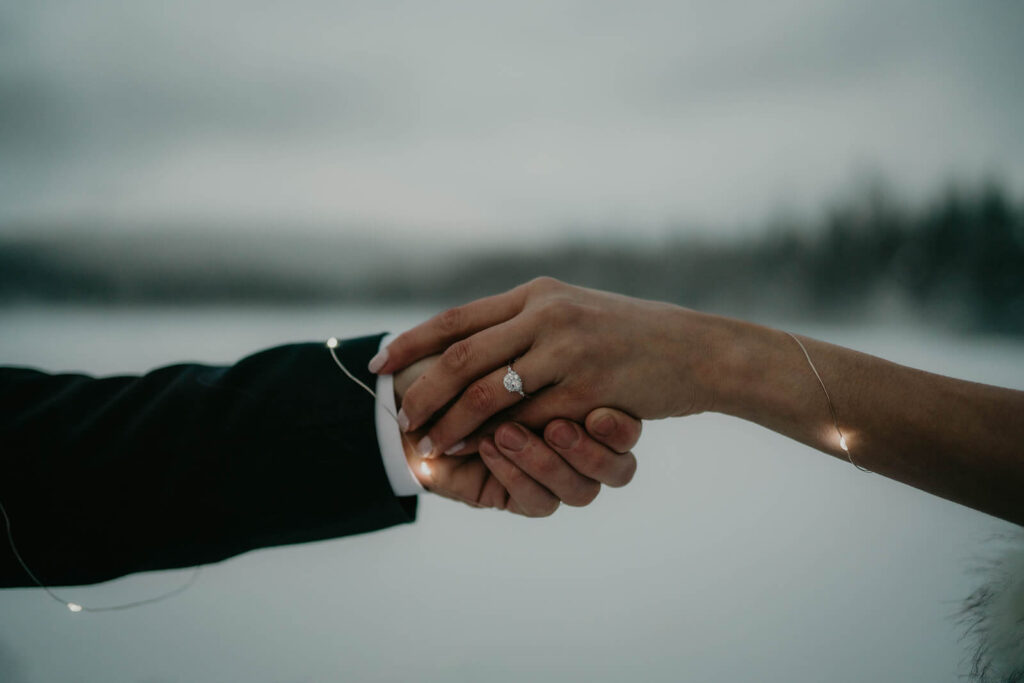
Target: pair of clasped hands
594	363
469	438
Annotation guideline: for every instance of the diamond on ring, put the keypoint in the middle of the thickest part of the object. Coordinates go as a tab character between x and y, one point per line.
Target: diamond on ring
513	382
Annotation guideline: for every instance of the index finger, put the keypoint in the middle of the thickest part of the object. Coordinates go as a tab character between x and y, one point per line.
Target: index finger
434	335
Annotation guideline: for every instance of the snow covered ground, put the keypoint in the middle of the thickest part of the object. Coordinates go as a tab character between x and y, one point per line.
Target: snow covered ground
734	555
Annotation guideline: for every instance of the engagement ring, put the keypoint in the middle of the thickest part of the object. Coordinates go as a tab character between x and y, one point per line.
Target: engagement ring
513	382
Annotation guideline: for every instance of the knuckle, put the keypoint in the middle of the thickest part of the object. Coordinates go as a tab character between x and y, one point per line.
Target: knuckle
546	468
552	310
450	321
561	312
564	349
512	477
571	312
514	480
480	398
458	355
543	283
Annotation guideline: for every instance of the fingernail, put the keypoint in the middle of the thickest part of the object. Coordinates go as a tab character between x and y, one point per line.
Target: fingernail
456	448
605	426
512	437
403	420
564	435
425	446
378	361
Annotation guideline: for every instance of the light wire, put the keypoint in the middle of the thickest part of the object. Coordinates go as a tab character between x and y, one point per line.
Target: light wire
332	343
76	607
835	421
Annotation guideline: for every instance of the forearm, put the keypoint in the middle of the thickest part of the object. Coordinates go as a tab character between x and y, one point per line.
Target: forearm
188	464
956	439
585	348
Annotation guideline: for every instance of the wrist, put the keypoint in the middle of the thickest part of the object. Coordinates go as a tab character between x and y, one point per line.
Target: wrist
709	360
754	374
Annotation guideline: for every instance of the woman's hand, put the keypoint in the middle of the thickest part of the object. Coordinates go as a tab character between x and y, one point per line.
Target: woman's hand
524	473
576	349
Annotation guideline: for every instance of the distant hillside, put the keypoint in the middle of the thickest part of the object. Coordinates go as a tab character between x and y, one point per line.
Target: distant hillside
958	260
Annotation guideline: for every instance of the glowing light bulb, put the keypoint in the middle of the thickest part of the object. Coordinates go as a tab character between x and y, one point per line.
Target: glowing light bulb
842	443
332	343
74	607
425	468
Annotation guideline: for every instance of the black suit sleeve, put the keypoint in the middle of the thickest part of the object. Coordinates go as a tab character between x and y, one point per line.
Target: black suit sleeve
189	464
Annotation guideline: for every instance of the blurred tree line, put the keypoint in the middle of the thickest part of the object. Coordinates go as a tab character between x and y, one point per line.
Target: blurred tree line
957	260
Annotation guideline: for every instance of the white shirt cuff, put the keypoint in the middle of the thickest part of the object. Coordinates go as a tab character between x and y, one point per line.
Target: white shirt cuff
389	437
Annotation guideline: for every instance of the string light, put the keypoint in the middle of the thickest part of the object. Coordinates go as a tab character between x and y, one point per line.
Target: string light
332	344
831	408
75	607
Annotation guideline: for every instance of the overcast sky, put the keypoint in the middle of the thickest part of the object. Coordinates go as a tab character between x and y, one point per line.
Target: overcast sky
486	121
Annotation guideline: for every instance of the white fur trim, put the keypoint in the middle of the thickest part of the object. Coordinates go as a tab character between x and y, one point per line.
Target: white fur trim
994	615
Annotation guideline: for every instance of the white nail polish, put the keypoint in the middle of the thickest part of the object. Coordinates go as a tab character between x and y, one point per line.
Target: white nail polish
425	446
378	361
403	420
456	448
